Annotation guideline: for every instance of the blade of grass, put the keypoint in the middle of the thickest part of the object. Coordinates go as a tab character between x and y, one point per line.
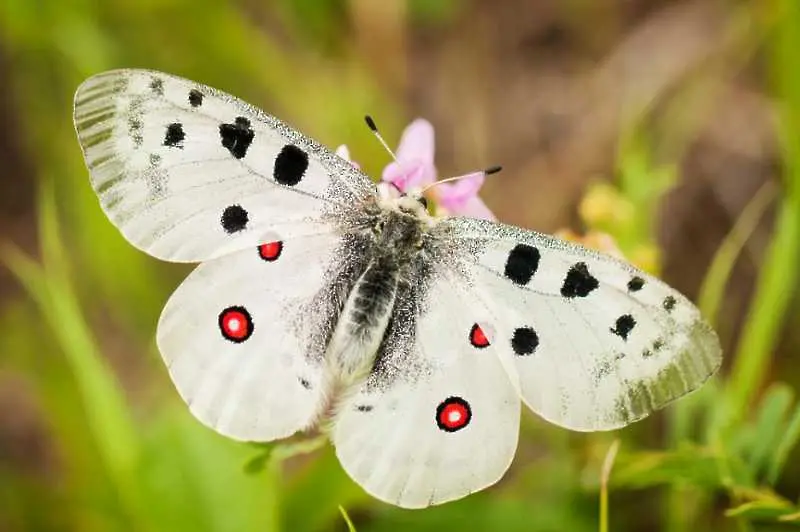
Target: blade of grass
712	290
790	438
350	526
769	424
106	412
778	277
608	463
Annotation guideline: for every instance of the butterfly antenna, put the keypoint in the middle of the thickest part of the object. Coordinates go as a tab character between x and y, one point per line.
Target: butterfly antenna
489	171
374	128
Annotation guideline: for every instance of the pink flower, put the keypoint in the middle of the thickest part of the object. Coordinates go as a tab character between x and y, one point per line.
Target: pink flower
414	170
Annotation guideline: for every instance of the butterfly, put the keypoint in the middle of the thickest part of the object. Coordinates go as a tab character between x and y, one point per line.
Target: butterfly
412	340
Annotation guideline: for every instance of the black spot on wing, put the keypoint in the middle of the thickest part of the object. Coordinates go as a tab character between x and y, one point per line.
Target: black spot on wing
635	284
304	383
290	165
237	137
578	282
524	341
669	303
623	326
195	98
364	408
522	263
175	136
234	219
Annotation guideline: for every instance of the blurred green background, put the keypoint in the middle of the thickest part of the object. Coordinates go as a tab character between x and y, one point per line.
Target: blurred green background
672	126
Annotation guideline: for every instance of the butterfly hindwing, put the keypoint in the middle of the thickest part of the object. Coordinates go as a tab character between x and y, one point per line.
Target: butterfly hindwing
438	417
597	343
244	335
189	173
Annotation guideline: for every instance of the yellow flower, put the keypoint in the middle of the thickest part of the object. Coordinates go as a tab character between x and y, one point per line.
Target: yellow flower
603	205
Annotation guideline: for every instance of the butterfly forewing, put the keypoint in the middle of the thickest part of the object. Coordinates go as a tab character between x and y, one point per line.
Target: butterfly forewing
189	173
597	343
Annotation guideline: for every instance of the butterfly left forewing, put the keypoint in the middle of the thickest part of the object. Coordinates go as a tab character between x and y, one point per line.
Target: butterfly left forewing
597	343
438	417
189	173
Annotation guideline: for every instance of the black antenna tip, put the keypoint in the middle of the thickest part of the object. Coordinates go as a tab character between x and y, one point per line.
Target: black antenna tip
371	123
492	170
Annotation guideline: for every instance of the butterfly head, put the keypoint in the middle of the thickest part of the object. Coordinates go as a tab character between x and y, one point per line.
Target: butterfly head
411	202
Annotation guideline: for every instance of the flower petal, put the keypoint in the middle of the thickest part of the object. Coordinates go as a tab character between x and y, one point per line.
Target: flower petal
476	208
409	175
462	190
343	152
462	198
417	143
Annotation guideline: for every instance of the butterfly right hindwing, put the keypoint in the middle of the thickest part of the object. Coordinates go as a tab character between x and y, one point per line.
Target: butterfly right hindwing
438	417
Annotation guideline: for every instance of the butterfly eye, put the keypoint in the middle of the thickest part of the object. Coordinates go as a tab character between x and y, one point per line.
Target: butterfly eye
423	201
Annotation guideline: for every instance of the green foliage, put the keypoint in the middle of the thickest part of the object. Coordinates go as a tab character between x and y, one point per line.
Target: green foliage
128	454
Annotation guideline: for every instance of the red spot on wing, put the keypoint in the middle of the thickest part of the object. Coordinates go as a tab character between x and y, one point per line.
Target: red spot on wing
477	337
235	324
271	250
453	414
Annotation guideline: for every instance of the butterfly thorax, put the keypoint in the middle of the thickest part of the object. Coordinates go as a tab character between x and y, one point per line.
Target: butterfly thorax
398	229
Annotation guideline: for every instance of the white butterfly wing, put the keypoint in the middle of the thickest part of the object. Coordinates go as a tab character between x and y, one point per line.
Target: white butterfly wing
189	173
597	343
244	335
438	417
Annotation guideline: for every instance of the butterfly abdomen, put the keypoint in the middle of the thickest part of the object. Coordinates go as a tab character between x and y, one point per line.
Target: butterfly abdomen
363	320
373	295
368	308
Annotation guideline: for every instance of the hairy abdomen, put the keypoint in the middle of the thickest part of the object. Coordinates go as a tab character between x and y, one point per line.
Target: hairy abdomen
363	321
